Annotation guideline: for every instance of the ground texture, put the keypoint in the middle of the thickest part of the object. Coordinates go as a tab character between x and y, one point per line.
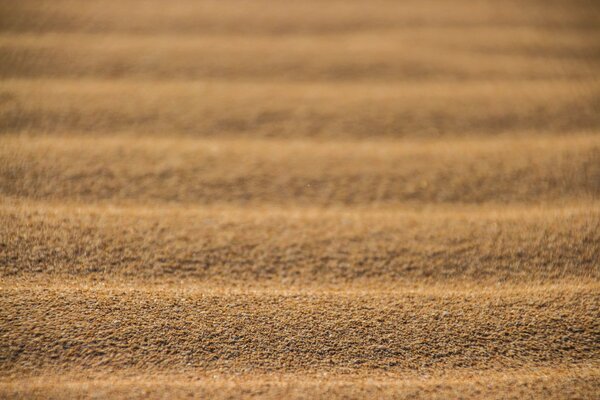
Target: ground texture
316	199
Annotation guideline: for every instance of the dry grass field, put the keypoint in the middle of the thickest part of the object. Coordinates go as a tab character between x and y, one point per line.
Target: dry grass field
315	199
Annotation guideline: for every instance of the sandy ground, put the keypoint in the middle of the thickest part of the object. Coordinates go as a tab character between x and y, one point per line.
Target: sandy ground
316	199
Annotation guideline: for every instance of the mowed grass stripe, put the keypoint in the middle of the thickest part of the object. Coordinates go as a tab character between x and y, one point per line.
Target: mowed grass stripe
289	58
244	172
299	110
344	249
49	329
548	383
274	17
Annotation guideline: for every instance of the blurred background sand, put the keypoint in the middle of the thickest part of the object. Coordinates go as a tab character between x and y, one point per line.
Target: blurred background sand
276	199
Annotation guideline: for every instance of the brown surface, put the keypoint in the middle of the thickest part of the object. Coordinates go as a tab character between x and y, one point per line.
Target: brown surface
300	110
316	199
510	384
303	246
182	328
305	173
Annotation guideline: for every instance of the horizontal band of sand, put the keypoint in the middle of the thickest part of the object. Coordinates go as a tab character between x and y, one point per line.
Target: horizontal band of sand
294	110
56	328
225	246
499	170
